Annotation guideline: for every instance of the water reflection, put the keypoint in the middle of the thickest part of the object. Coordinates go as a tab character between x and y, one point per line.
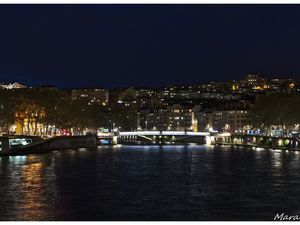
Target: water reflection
150	183
277	159
19	159
32	188
29	186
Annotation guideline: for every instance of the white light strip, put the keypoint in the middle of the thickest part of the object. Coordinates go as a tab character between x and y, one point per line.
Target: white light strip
191	133
173	133
131	133
178	133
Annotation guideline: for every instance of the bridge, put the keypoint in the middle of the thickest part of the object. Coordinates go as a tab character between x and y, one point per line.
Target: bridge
164	137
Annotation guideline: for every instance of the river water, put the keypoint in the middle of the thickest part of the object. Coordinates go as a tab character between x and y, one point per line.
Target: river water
150	183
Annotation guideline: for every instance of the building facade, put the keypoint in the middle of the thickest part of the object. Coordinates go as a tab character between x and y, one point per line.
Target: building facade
93	95
176	118
223	120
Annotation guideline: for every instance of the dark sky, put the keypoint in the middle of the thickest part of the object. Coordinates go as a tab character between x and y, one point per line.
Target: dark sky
146	45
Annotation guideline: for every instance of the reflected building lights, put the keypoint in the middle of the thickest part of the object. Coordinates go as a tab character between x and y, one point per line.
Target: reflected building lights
277	160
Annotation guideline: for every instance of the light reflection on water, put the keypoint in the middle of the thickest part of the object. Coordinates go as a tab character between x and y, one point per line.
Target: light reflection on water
31	187
26	187
150	183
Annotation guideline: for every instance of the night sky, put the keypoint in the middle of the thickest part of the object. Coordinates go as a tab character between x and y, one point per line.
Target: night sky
146	45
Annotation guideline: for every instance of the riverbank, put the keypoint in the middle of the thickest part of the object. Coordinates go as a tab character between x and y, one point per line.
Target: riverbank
257	146
51	144
259	141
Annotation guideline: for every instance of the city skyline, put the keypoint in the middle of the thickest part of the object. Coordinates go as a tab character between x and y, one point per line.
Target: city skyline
154	45
11	84
164	112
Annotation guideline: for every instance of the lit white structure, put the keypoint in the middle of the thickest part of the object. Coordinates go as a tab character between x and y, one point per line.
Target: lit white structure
12	86
171	133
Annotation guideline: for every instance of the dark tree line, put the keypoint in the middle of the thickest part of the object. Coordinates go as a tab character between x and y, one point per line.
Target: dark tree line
279	109
55	108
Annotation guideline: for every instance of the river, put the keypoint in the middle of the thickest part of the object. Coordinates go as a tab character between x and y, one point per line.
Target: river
150	183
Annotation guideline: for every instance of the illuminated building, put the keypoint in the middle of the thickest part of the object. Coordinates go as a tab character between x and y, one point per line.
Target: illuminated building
225	120
285	85
254	82
234	86
12	86
94	95
253	79
176	118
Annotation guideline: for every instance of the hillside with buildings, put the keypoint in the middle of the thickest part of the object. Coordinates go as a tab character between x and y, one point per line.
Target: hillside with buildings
214	106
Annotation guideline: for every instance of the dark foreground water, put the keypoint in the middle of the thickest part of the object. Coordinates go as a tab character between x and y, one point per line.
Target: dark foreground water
150	183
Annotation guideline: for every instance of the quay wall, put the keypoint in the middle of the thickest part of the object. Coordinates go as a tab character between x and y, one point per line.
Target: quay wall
284	143
55	144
